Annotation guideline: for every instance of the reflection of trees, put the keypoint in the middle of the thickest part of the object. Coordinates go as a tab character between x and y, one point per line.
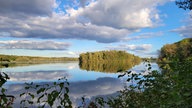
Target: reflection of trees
110	67
2	65
108	61
171	89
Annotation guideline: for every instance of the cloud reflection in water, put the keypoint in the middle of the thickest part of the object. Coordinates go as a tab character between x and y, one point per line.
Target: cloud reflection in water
40	75
82	83
101	86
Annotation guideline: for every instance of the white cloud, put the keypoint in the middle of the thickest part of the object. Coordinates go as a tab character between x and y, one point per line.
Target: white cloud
34	45
128	14
132	47
60	27
184	31
143	36
104	21
142	50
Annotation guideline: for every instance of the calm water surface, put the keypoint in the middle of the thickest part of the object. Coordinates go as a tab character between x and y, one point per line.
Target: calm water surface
82	83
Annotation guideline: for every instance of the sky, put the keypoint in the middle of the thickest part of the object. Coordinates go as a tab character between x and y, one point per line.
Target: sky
66	28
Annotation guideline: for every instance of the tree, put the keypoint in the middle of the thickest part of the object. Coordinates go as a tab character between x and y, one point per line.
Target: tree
178	51
184	4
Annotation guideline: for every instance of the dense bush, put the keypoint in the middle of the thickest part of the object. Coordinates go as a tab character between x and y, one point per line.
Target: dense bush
171	89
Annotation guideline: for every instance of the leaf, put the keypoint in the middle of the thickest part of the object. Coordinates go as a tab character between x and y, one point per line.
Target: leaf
121	75
50	100
128	72
149	68
55	94
120	70
137	78
67	89
22	101
49	97
187	94
30	102
128	79
83	99
6	76
37	85
61	85
147	84
26	88
140	82
40	90
3	90
32	96
66	96
22	94
38	100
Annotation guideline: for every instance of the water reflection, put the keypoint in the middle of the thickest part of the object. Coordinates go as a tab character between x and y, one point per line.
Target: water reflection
37	75
71	70
82	82
41	67
50	72
109	67
89	89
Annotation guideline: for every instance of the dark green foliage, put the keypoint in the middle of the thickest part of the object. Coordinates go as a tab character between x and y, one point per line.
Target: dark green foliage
172	89
5	100
108	61
51	95
184	4
3	78
178	51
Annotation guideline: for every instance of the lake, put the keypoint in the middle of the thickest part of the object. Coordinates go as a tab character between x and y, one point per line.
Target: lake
85	83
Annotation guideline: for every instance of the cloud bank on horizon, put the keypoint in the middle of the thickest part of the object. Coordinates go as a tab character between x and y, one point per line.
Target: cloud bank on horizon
103	21
34	45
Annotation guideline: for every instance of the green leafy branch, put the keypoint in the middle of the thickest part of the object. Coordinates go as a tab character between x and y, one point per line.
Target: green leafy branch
52	95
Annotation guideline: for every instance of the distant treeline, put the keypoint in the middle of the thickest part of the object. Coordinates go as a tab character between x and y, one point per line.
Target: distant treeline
179	51
108	61
29	59
151	59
